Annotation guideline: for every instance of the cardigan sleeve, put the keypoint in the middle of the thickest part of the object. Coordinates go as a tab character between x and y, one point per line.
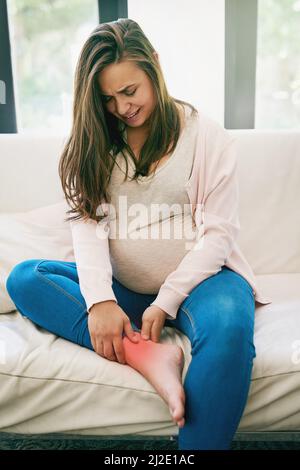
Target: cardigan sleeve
91	251
217	223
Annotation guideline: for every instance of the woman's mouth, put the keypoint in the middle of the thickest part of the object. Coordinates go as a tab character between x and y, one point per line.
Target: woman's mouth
133	117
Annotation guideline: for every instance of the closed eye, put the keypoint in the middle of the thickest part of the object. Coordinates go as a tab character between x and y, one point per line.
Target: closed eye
107	98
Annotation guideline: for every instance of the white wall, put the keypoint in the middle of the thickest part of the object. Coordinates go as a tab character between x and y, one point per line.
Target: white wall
189	37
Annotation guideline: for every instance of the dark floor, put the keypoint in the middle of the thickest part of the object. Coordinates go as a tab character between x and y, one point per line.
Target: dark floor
89	443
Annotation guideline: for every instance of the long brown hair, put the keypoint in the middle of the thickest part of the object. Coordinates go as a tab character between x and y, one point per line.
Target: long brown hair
96	137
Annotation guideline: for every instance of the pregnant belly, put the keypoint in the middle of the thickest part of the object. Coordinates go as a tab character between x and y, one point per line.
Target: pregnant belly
142	264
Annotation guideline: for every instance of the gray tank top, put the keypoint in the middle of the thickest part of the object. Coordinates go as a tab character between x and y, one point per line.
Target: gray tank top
151	228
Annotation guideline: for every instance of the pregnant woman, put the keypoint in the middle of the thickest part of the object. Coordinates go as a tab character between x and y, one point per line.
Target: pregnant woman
152	190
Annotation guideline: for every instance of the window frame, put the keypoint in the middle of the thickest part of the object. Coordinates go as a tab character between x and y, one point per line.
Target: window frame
112	10
241	17
8	122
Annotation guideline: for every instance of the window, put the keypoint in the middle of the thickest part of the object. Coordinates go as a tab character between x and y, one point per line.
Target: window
278	64
46	39
189	38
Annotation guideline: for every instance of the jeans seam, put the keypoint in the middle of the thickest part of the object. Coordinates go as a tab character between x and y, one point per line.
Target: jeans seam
83	331
190	318
57	287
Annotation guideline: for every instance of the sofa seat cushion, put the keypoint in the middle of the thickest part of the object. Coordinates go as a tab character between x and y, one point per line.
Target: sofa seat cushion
274	396
49	384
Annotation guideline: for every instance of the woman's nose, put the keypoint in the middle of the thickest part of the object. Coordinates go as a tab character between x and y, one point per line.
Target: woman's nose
123	108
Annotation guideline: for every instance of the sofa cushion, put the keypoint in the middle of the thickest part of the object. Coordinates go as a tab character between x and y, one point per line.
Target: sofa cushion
29	170
49	384
274	395
269	195
269	190
39	233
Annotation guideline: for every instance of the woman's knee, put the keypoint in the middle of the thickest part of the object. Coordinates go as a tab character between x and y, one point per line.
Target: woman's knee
20	277
225	319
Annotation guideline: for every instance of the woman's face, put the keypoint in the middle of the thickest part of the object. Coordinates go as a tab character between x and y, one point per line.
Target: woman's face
125	89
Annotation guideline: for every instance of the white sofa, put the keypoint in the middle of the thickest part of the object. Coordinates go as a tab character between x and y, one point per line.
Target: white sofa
50	385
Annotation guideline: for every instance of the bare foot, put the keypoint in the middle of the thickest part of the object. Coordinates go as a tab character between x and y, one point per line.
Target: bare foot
161	365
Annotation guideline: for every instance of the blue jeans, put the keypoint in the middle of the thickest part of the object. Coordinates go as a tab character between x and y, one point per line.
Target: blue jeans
217	317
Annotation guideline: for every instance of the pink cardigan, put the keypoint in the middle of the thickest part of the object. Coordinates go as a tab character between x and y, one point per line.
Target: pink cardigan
213	194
